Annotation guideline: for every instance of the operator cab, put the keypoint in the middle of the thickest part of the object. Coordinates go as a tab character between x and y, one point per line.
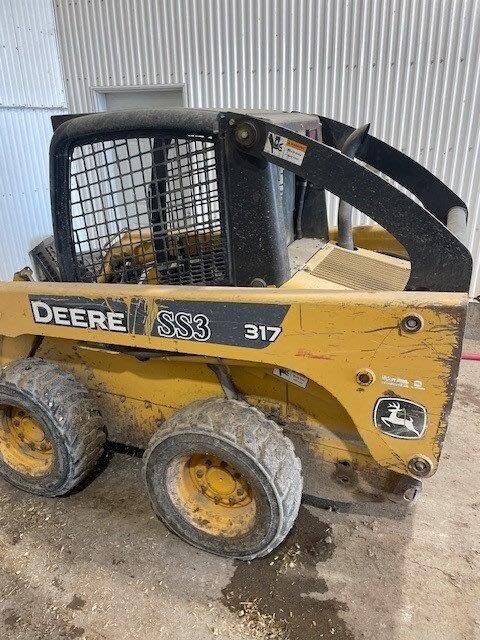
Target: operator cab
201	197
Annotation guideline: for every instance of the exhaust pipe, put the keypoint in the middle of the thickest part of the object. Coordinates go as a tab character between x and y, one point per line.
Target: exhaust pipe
457	223
345	229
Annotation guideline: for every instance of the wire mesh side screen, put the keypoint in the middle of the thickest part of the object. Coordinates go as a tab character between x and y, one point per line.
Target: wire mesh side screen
146	210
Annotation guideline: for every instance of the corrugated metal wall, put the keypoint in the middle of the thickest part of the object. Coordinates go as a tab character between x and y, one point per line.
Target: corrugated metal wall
31	90
410	67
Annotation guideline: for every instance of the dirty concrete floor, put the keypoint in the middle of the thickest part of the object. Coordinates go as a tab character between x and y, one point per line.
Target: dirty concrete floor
98	565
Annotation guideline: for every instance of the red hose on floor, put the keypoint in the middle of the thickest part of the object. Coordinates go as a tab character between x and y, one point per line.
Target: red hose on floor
470	356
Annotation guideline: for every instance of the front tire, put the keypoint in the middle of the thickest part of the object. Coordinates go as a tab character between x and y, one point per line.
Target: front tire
224	478
51	431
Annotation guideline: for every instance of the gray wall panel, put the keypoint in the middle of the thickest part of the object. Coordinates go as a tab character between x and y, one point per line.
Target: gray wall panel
410	67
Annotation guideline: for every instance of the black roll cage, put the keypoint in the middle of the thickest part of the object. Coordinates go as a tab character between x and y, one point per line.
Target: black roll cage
439	261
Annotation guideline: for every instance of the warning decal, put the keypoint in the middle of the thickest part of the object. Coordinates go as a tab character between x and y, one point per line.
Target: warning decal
284	148
291	376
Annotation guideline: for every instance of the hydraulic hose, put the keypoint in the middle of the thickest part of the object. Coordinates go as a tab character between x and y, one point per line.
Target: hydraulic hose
470	356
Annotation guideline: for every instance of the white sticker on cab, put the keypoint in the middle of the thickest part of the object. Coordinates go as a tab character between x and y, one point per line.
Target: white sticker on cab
284	148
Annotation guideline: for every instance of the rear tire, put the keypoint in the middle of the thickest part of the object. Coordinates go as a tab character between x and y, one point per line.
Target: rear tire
224	478
51	431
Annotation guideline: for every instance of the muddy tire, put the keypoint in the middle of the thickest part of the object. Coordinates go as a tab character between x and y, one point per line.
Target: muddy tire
224	478
51	431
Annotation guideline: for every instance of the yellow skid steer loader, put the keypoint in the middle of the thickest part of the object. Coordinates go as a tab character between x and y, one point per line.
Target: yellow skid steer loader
194	302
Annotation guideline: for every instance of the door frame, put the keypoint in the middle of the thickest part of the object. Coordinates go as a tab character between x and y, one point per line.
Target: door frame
98	92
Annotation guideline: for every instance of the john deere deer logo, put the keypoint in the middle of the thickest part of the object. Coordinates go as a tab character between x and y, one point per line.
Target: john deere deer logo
400	418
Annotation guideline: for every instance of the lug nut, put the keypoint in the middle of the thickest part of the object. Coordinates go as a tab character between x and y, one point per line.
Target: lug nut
199	473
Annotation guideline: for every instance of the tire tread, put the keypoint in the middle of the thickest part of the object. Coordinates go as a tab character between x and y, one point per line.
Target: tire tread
262	438
69	404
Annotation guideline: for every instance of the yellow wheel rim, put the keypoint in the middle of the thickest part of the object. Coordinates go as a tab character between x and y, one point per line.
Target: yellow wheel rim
23	443
212	495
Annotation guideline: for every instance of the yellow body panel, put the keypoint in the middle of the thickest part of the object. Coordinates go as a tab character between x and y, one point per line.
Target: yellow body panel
327	336
373	237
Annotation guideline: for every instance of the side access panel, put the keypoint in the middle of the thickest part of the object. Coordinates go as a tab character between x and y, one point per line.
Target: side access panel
358	346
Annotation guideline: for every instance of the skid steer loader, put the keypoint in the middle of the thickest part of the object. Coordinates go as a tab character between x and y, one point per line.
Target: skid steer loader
195	303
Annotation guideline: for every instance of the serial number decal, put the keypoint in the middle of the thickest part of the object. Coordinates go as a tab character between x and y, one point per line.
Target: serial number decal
402	382
251	325
261	332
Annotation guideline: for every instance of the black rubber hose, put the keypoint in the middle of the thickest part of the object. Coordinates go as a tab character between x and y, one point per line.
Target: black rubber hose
301	201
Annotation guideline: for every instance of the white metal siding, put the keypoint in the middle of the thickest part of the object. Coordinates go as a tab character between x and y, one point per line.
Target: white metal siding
410	67
31	90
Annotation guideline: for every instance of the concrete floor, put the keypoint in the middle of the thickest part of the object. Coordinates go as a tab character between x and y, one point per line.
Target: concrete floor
98	565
